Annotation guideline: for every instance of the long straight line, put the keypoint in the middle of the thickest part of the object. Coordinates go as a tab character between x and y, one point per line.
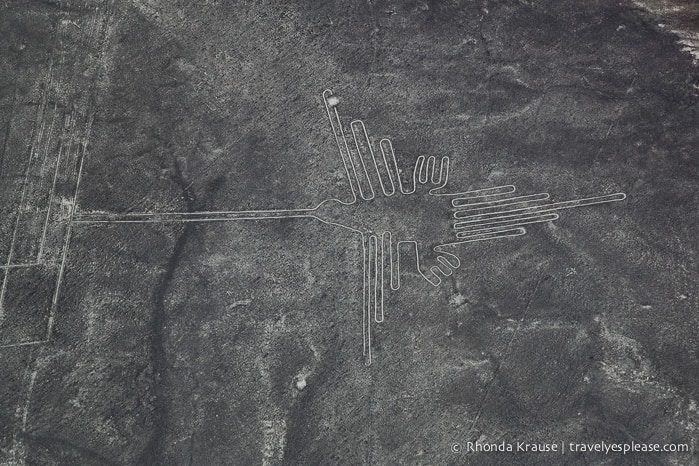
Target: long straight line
25	184
24	343
505	354
54	303
536	217
48	207
33	376
172	217
66	243
8	130
20	266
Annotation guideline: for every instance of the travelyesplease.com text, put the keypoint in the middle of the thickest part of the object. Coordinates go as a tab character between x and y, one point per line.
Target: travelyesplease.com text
572	447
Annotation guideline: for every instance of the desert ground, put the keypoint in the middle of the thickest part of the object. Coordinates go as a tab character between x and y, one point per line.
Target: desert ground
243	342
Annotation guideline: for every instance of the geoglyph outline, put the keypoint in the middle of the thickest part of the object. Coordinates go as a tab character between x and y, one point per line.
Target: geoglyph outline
472	220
